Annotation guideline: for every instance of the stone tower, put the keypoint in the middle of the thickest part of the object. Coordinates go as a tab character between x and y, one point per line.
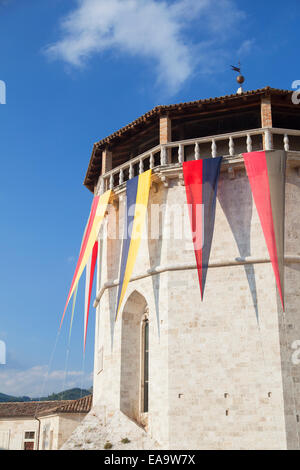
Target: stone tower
217	374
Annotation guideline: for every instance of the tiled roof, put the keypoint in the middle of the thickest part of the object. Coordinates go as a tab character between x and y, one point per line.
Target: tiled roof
35	408
179	106
95	163
83	405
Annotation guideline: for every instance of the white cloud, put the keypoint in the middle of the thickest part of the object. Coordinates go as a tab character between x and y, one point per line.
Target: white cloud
34	381
157	30
245	47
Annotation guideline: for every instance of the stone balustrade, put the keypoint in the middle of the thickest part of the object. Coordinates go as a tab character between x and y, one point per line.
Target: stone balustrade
226	145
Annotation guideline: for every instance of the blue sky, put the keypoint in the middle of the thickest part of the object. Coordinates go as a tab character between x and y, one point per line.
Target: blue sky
75	72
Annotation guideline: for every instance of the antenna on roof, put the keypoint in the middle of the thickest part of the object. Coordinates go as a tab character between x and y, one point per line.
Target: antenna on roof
240	78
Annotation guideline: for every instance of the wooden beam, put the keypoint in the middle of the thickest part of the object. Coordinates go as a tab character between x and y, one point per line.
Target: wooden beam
197	119
215	112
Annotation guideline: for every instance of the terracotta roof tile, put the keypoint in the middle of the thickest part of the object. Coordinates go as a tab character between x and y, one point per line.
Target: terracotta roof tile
35	408
171	107
158	110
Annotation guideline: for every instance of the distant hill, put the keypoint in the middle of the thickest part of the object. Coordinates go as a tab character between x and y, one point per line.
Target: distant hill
72	394
6	398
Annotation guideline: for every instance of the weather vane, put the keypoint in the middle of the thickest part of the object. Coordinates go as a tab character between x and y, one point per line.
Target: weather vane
240	78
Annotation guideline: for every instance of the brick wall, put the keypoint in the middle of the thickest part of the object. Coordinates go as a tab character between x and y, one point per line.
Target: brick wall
266	112
164	130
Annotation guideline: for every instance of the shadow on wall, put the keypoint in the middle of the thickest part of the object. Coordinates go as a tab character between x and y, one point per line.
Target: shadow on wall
289	373
287	334
239	218
114	246
155	242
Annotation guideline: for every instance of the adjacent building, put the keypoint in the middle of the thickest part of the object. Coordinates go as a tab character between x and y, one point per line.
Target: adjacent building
40	425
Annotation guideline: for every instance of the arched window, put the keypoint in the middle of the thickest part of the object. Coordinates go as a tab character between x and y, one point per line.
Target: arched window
134	388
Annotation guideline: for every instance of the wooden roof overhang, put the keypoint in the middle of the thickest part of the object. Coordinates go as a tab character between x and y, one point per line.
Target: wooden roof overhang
124	138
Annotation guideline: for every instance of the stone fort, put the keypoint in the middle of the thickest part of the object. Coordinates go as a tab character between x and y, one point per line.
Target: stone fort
174	372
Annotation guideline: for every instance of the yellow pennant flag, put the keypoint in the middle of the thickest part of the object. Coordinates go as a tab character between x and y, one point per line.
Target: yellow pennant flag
137	193
98	211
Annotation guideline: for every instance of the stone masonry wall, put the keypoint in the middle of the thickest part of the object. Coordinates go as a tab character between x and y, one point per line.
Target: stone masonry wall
221	375
12	432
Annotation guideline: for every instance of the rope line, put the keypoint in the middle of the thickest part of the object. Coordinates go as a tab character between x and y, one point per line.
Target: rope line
48	370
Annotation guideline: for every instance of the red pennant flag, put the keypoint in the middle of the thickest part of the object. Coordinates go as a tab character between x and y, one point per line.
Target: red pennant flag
82	249
201	181
266	173
90	270
96	217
